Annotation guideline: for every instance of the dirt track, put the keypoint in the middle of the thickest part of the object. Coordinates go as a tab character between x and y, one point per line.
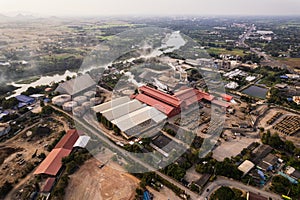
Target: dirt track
93	183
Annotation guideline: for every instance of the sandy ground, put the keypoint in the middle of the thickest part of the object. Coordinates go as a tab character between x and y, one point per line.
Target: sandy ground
191	175
164	194
91	182
232	147
10	169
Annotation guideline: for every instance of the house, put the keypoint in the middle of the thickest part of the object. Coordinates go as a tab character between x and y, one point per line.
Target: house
48	185
52	164
268	163
202	181
253	196
246	167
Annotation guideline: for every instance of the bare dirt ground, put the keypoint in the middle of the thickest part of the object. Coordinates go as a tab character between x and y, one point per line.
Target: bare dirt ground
22	147
91	182
164	194
191	175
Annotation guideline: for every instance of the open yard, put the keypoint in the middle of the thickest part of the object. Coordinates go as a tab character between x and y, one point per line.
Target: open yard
91	182
232	147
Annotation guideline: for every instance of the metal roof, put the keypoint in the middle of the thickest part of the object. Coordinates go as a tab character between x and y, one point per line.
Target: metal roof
122	109
159	105
137	117
82	141
68	140
53	162
48	185
24	99
108	105
77	85
167	98
246	166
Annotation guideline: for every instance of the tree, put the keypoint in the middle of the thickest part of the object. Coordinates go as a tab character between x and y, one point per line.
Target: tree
4	190
47	110
9	103
224	193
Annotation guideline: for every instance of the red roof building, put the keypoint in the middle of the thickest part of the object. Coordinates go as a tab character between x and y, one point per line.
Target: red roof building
167	98
68	140
172	104
220	103
226	97
48	185
159	105
52	163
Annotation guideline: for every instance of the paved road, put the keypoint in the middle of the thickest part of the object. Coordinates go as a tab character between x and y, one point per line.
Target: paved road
222	181
127	154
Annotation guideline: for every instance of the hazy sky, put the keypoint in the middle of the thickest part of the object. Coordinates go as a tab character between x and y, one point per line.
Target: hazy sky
153	7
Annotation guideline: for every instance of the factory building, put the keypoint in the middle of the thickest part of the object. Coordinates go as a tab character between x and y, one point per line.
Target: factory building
171	105
52	164
79	85
130	118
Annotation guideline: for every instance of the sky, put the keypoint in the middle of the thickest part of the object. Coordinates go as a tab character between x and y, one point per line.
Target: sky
151	7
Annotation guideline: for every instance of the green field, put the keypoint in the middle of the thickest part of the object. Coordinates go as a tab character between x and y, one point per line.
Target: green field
238	52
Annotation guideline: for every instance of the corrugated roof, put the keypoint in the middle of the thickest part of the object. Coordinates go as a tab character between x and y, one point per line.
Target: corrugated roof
220	103
169	99
48	185
253	196
68	140
115	102
189	96
77	85
82	141
159	105
52	163
226	97
24	99
135	118
122	109
246	166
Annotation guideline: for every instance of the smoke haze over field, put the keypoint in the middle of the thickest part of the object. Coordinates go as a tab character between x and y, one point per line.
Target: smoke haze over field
152	7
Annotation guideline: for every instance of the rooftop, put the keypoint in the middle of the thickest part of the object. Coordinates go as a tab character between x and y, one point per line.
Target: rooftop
167	98
68	140
246	166
48	185
24	99
77	85
53	162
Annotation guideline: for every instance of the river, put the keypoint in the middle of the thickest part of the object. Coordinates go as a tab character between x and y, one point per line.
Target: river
170	43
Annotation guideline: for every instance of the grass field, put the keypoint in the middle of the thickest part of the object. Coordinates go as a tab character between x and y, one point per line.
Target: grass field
218	51
293	62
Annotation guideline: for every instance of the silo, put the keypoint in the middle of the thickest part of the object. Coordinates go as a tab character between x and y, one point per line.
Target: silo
68	106
89	94
79	111
61	99
80	99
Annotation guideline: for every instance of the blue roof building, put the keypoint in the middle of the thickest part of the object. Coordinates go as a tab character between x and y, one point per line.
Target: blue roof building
25	99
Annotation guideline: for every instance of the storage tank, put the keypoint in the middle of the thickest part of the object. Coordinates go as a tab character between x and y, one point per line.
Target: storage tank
96	100
68	106
61	99
87	105
89	94
79	111
80	99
